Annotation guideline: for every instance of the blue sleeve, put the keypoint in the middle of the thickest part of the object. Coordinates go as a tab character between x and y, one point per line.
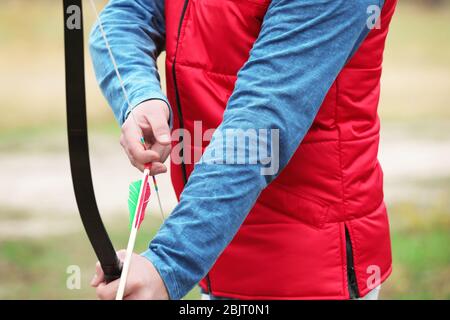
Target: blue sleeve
136	32
302	47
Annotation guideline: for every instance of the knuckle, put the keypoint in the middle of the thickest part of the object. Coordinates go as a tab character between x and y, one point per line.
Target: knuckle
100	294
132	153
136	284
149	157
132	159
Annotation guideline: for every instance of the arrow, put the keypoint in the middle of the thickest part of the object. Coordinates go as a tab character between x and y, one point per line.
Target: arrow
142	198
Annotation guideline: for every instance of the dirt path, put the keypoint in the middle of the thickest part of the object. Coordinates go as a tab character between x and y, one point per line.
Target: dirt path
44	190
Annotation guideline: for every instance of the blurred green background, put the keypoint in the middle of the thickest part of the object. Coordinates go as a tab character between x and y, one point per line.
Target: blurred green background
40	231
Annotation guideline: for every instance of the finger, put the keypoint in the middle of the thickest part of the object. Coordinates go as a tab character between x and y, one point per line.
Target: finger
107	291
157	168
99	276
133	296
121	254
138	155
160	127
129	286
131	142
162	150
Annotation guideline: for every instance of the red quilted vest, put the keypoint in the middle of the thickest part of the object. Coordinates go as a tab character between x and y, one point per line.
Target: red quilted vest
320	230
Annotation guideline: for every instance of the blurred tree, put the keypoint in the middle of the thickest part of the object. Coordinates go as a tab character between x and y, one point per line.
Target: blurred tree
434	3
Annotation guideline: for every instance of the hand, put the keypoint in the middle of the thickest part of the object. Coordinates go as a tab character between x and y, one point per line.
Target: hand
152	118
143	283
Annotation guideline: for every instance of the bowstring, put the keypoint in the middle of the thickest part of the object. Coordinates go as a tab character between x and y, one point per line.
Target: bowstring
125	94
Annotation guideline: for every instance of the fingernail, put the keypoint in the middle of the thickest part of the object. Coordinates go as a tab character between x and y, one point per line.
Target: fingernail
164	138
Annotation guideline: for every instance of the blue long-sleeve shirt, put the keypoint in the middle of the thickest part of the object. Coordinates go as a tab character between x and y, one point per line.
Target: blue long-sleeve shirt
300	50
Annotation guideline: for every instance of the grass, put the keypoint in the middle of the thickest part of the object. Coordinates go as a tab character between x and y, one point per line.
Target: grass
35	268
421	266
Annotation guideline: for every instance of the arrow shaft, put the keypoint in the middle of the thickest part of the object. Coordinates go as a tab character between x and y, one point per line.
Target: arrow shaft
159	199
126	264
132	239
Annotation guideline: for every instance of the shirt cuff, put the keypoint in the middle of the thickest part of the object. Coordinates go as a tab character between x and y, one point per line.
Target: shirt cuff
139	97
165	272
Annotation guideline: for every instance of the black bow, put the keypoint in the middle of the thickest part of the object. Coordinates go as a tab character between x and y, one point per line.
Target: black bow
78	140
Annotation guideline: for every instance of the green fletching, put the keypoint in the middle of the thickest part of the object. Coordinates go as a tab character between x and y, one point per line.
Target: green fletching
133	199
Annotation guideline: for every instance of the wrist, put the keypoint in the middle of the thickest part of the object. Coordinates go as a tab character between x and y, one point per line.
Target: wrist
145	95
165	273
150	105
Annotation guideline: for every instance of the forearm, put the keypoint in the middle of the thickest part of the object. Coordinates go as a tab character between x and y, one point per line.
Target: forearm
135	31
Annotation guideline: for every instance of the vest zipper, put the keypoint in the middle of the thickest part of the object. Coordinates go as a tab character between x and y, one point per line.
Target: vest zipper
177	95
180	113
351	275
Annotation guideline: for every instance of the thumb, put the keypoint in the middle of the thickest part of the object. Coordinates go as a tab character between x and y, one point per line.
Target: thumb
99	276
121	254
160	127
